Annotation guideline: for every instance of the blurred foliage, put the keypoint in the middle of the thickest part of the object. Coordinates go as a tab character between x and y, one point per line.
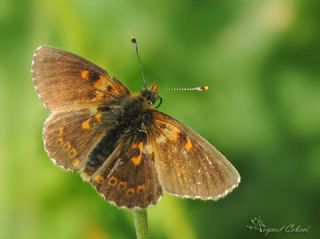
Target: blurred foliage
261	60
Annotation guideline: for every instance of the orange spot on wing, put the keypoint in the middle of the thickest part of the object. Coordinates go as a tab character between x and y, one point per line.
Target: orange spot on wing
76	163
67	146
130	191
112	181
122	185
101	83
140	188
60	133
174	135
137	159
72	153
98	179
188	146
84	74
86	124
60	142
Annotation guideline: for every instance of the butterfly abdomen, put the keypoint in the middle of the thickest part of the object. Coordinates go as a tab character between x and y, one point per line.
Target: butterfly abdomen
102	150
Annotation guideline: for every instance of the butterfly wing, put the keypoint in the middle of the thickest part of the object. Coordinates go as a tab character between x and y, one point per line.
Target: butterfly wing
187	164
66	81
128	177
69	137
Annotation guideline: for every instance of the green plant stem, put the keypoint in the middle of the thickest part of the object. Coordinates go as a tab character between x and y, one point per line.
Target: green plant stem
140	218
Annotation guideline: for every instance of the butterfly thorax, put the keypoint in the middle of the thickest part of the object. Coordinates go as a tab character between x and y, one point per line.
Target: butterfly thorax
135	114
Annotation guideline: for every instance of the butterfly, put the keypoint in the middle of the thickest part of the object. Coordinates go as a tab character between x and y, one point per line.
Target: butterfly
118	141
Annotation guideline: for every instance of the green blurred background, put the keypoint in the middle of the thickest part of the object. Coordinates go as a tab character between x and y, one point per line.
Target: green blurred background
261	60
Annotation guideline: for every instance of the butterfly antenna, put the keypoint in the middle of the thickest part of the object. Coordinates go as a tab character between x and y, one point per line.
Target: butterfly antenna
199	88
134	42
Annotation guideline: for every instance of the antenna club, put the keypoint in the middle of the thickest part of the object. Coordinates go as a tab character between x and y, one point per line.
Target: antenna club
204	88
133	40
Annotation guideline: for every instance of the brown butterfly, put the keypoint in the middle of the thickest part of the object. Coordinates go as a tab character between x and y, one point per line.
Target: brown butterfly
118	141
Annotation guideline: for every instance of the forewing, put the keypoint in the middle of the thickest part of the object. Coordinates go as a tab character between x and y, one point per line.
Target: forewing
187	164
65	81
128	177
69	137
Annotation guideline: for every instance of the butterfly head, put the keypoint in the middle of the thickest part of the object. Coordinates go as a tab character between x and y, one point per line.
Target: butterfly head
151	95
